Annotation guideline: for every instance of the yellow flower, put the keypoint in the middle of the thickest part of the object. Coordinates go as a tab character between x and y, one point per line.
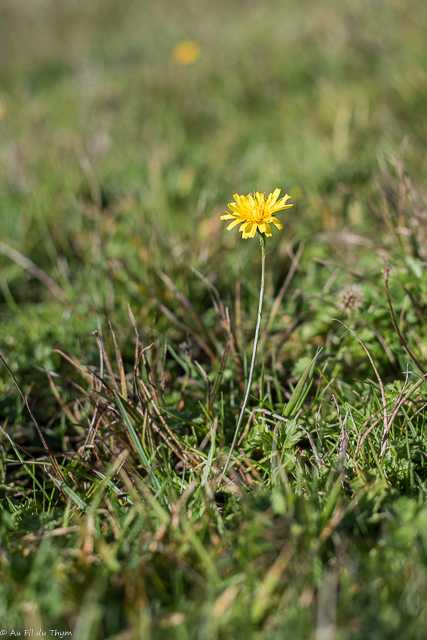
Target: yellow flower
255	213
186	52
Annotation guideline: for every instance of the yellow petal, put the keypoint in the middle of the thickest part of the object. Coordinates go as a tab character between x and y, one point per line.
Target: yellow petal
246	228
281	204
260	198
271	200
232	225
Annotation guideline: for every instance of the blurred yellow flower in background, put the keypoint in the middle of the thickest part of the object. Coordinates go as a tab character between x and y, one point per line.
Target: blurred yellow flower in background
255	213
186	52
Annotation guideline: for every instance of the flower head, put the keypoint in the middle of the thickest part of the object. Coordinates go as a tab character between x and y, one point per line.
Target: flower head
186	52
255	213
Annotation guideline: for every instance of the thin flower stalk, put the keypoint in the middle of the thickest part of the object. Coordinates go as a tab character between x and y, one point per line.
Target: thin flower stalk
251	371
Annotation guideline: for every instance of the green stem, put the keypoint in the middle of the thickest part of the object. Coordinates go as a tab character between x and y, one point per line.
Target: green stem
251	371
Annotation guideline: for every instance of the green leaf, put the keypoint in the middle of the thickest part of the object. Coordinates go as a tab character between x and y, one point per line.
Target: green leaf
301	390
81	504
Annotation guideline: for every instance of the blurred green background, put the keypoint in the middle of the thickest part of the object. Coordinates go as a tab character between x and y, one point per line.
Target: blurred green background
95	110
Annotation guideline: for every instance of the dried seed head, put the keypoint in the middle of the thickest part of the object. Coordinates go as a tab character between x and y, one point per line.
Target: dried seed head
185	348
351	298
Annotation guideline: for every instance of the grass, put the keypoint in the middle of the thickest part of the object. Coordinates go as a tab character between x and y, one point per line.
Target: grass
128	315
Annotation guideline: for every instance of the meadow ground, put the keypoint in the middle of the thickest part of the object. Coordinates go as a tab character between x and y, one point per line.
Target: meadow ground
128	314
